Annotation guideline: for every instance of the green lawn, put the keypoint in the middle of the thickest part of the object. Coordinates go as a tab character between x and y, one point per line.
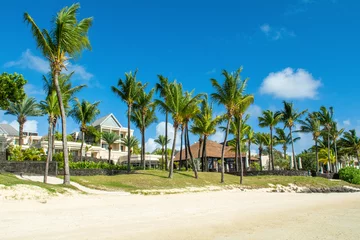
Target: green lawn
11	180
156	179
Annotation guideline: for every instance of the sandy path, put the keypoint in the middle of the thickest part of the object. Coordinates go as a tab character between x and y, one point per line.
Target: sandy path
212	215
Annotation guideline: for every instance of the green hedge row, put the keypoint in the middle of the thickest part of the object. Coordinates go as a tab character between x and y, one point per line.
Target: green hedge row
350	174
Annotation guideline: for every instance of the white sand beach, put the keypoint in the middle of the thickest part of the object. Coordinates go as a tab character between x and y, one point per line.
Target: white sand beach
221	215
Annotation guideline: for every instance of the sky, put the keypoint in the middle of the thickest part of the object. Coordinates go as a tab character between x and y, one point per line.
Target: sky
303	51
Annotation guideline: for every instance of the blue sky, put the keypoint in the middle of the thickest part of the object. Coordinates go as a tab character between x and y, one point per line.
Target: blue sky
305	51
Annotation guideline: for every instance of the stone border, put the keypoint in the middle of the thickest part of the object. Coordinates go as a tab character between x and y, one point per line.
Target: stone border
29	167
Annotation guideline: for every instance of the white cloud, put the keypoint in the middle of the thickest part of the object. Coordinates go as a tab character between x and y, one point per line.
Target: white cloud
276	33
347	122
290	84
151	145
29	126
218	136
212	71
254	111
33	90
305	142
30	61
265	28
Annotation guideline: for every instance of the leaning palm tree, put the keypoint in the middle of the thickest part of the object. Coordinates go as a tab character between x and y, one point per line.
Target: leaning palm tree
270	119
131	142
128	90
84	113
50	107
285	139
290	116
311	124
110	138
335	134
162	141
162	87
67	39
260	142
227	94
350	142
26	108
142	121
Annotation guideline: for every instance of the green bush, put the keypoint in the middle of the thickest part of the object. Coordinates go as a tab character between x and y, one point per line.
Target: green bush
255	166
93	165
350	174
29	154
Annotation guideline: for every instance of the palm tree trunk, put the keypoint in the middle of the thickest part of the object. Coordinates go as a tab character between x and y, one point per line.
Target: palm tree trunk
143	148
166	136
162	157
260	153
171	169
249	153
239	150
316	156
190	153
49	152
329	163
285	148
21	133
204	158
82	145
63	128
271	150
53	137
109	155
186	149
223	151
199	151
128	157
236	156
181	145
336	157
293	151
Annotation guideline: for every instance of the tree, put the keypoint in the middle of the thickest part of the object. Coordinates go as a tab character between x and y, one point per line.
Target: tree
290	116
226	94
285	139
270	119
311	124
324	157
11	89
162	87
26	108
84	113
110	138
50	107
350	142
162	141
92	134
260	142
335	133
67	39
132	142
128	91
250	138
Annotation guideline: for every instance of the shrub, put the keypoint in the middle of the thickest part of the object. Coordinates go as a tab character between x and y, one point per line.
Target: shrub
16	154
255	166
93	165
350	174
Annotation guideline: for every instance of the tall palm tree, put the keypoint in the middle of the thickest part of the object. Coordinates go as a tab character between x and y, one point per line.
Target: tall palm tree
260	142
142	121
326	117
128	90
110	138
227	94
250	138
270	119
351	143
84	113
131	142
311	124
67	39
162	87
290	117
335	134
50	107
205	124
26	108
162	141
285	139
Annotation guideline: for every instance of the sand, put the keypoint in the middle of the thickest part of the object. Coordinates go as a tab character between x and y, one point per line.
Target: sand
222	215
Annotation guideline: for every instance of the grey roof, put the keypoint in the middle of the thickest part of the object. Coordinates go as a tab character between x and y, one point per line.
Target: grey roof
8	129
97	122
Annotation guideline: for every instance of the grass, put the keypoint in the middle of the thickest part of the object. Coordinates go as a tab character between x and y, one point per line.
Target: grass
9	180
157	180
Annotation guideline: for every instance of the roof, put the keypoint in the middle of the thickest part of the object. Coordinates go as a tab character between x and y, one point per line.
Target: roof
101	120
8	130
213	150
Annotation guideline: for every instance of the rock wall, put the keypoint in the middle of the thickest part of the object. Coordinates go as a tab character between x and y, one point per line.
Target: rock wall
28	167
92	172
277	173
2	156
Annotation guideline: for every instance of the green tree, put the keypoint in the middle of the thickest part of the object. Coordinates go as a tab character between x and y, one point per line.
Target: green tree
11	89
110	138
260	142
128	91
335	134
162	141
270	119
227	94
249	138
67	39
26	108
290	116
350	142
84	113
285	139
132	143
92	135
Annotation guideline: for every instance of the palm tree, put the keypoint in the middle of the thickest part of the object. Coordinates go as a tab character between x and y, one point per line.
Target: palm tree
250	138
227	95
110	138
131	142
205	124
128	90
26	108
335	134
270	119
142	121
50	107
260	142
351	143
162	141
67	39
285	139
311	124
162	87
290	116
326	119
84	113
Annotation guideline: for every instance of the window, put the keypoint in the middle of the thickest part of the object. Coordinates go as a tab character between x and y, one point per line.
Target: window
121	135
104	146
122	148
